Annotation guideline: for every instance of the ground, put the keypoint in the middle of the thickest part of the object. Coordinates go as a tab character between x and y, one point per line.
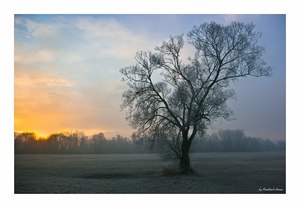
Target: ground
146	173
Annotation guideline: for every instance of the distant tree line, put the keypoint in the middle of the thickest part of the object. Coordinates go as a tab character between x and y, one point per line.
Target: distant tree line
235	141
222	141
73	143
79	143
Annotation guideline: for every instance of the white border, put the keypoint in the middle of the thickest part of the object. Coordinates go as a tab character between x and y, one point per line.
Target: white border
9	8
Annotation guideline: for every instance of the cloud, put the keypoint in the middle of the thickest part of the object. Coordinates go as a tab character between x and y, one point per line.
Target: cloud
38	79
114	39
28	57
35	29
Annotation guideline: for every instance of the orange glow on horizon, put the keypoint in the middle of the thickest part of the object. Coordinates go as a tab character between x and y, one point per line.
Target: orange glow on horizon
42	135
51	109
38	135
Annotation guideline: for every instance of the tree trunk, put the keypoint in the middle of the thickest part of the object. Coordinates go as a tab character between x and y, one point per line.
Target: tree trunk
185	158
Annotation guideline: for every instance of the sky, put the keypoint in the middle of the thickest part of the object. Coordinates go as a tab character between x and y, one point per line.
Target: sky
67	71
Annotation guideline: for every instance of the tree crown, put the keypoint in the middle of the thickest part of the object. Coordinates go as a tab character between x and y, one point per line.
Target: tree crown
190	95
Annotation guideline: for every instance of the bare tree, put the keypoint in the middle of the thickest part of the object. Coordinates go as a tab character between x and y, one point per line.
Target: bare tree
179	99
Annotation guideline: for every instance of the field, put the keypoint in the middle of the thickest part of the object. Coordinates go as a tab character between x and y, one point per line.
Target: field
143	173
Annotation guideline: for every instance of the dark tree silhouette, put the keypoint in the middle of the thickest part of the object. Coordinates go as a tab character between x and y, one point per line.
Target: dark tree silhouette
177	99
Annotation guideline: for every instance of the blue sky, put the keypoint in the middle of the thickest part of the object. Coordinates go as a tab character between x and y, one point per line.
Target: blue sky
67	71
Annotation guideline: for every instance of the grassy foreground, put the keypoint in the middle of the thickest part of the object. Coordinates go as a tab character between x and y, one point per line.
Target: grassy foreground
143	173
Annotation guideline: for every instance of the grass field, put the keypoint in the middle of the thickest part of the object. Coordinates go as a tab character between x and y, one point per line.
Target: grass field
143	173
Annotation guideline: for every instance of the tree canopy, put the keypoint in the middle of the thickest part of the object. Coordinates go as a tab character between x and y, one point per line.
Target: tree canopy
178	98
